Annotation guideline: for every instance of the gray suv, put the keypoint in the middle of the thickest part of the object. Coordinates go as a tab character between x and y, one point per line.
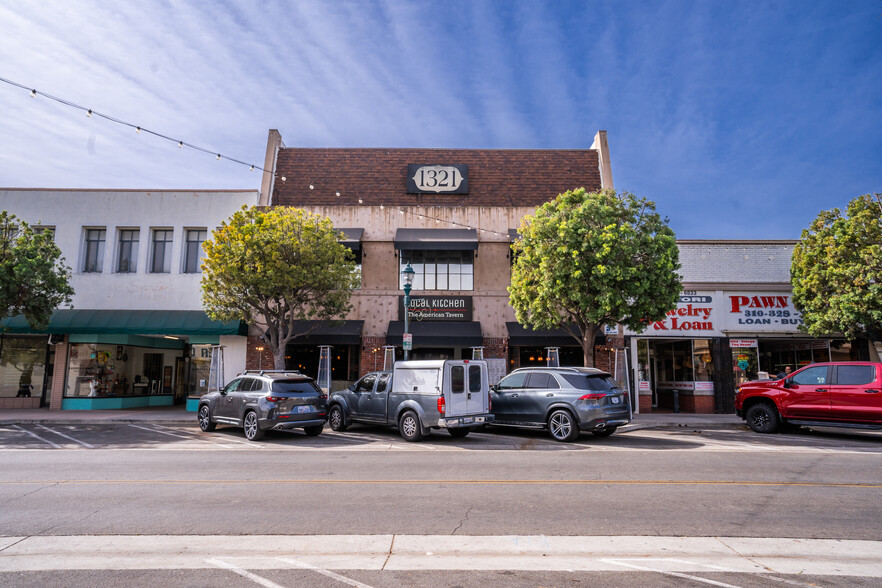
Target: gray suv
259	401
564	400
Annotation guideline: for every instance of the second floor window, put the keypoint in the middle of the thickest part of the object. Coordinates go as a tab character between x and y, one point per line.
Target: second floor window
440	270
193	254
128	251
162	248
94	261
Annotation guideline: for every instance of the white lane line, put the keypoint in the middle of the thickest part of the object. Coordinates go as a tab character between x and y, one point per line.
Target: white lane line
196	436
83	443
179	436
244	573
668	573
324	572
56	446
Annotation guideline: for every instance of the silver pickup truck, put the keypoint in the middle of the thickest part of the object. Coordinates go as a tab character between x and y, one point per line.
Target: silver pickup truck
417	396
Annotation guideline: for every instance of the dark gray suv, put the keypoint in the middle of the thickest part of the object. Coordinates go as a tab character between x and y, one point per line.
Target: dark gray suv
259	401
564	400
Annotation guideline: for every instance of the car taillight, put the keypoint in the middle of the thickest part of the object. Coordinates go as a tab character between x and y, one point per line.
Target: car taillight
441	404
489	402
273	398
592	396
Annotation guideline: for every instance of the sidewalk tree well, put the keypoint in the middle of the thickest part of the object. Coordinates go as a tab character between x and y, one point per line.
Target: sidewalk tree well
588	259
272	267
34	280
836	272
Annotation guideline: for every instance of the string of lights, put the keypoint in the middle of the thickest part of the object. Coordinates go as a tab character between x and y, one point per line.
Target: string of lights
138	128
181	144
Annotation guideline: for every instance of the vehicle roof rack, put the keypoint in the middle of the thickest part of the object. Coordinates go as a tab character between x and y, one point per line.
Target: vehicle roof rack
262	372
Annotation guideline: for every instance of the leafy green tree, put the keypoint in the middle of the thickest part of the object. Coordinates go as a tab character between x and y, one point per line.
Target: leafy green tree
33	278
588	259
272	267
836	272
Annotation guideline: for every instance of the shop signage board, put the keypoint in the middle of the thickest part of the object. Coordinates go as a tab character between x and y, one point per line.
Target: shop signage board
701	314
742	343
437	308
427	178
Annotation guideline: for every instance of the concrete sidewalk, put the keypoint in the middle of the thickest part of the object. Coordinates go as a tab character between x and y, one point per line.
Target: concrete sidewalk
179	416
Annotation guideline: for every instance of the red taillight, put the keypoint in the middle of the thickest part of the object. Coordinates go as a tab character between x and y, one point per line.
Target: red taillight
592	396
273	398
441	404
489	402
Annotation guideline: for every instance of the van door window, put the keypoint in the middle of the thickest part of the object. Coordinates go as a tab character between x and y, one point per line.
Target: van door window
457	379
474	378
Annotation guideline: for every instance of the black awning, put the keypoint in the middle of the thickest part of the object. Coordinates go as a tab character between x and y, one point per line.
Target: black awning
520	336
324	333
352	238
451	333
437	239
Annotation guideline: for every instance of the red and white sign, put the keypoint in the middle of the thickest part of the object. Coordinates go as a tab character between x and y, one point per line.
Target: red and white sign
761	311
740	343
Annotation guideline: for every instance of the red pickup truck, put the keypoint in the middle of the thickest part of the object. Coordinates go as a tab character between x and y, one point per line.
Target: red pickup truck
836	394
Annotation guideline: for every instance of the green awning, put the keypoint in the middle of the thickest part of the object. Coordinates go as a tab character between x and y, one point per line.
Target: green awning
130	322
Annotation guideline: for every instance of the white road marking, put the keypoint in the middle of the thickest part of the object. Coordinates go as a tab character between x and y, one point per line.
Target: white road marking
180	436
244	573
669	573
56	446
198	437
83	443
327	573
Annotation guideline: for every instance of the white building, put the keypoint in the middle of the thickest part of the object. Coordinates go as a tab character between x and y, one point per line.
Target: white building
136	334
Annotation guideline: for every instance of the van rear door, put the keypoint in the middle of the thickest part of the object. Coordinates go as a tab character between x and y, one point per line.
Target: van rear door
465	388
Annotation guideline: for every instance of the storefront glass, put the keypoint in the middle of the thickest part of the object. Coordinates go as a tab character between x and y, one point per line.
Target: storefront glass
22	366
537	356
101	370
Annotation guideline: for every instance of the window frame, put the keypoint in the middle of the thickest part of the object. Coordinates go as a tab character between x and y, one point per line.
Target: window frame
167	245
200	253
420	259
134	249
99	250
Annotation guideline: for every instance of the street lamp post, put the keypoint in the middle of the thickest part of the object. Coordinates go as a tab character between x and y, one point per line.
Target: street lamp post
408	283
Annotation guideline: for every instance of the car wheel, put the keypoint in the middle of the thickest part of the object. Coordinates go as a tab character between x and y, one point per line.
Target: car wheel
205	419
336	420
458	433
563	426
409	426
604	432
251	427
762	418
313	431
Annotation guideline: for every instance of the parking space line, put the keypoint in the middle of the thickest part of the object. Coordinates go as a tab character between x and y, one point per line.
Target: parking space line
619	562
324	572
244	573
83	443
197	436
56	446
181	436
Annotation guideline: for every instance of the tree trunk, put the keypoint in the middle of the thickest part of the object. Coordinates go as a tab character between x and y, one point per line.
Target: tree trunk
588	335
279	357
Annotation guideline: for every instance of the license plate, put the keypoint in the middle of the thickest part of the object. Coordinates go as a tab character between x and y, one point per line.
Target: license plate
466	420
616	399
304	409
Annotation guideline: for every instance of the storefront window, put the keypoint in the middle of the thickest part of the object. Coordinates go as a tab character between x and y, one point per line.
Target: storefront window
440	270
702	361
22	366
745	363
98	370
537	356
199	370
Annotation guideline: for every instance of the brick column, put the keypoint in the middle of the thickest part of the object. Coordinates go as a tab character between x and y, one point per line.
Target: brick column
371	355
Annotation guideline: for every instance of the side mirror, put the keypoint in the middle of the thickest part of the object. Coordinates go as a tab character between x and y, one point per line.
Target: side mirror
788	382
494	388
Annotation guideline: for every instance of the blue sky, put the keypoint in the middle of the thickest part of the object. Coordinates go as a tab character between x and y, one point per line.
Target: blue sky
739	119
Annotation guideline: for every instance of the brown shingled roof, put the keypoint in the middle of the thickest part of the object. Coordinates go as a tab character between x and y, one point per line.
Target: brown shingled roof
515	177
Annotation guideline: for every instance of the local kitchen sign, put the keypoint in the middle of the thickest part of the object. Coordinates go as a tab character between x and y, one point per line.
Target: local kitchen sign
425	178
713	314
437	308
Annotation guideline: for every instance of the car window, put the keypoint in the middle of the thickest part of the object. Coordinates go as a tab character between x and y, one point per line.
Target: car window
541	380
382	383
366	384
855	375
474	378
257	386
247	385
457	379
512	382
812	376
300	386
233	386
596	382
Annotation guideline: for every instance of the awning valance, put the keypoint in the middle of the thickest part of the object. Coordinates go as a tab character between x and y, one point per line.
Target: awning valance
324	333
452	333
130	322
352	238
520	336
437	239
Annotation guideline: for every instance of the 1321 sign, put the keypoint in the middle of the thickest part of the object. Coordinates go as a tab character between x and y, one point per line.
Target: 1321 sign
423	178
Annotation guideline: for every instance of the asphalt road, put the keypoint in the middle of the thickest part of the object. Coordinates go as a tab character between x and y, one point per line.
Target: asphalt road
68	481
